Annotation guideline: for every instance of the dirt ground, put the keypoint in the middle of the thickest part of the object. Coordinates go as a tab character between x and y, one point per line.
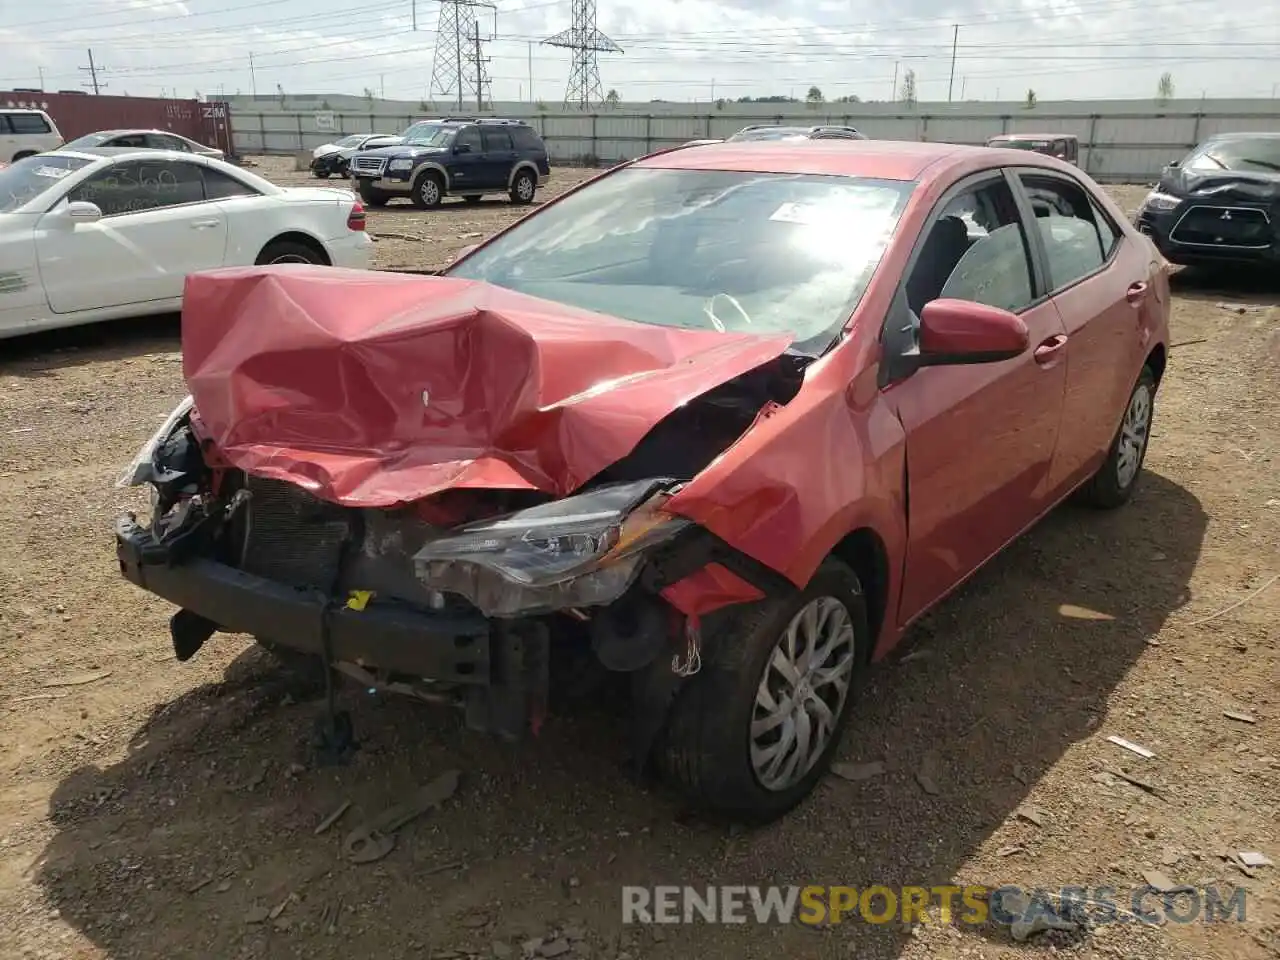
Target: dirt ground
153	809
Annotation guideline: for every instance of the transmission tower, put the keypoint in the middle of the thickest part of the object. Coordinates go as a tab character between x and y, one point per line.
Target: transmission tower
458	70
587	43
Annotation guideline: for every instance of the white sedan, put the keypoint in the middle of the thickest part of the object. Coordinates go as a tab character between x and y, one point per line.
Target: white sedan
90	235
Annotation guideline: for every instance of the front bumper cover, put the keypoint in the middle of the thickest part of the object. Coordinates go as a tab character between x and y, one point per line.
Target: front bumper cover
445	647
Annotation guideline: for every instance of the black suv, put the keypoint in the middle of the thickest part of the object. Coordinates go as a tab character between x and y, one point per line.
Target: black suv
454	156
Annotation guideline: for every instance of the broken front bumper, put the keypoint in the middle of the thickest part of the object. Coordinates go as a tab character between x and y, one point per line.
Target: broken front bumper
446	647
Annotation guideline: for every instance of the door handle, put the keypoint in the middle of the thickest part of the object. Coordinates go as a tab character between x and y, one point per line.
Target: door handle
1137	292
1048	350
203	224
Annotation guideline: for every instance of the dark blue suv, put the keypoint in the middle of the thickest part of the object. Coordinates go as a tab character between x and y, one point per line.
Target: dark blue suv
454	157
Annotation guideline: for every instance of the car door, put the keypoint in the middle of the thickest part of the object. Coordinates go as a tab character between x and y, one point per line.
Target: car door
156	227
465	163
1099	285
499	155
979	438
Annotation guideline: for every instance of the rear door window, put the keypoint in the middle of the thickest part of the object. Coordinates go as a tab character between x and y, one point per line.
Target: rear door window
28	123
497	141
1065	215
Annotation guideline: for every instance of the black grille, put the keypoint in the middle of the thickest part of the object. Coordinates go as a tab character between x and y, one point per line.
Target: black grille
1224	227
292	537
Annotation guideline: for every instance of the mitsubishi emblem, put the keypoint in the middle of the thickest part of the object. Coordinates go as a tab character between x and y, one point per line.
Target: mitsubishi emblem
1226	215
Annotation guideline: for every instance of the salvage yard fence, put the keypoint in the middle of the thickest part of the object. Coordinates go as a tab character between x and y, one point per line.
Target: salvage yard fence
1120	141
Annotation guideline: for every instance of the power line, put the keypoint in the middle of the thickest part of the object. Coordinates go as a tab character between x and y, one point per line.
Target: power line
586	43
454	71
92	70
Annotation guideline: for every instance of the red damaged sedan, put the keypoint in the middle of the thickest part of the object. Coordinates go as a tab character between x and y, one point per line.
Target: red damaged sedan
721	423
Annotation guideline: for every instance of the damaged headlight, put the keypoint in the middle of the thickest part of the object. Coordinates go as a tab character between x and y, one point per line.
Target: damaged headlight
1160	202
580	551
142	469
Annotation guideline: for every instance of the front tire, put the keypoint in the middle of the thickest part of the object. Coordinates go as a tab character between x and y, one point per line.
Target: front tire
428	192
752	733
1113	485
523	187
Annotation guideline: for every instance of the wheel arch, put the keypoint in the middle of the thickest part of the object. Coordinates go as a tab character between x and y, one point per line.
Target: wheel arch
297	236
1157	360
430	166
523	165
864	551
23	154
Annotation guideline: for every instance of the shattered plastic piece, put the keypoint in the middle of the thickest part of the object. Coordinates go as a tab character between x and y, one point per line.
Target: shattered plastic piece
315	376
1131	746
1251	858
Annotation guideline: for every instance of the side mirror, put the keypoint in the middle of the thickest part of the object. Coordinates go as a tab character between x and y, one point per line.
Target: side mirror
961	331
1174	163
462	148
81	211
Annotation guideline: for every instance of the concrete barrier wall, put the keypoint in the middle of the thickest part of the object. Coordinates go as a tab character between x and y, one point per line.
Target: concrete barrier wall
1120	140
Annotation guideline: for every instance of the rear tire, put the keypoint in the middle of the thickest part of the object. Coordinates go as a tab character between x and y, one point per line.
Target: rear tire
321	174
523	187
371	197
1113	485
289	251
719	744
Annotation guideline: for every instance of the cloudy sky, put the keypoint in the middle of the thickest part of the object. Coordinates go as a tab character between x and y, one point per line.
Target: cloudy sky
673	49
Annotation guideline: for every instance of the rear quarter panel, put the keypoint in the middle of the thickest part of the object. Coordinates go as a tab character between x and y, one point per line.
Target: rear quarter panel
253	222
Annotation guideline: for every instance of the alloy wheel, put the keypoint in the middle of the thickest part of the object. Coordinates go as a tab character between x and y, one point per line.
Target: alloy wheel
802	693
1134	432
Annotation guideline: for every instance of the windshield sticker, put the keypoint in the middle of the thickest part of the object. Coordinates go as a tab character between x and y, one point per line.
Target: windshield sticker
878	204
54	173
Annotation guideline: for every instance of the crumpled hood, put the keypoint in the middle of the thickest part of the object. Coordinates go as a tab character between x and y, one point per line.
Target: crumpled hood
377	389
1227	184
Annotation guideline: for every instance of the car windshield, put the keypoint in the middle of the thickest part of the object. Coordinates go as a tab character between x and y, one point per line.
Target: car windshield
1257	154
772	133
428	135
705	250
25	180
88	140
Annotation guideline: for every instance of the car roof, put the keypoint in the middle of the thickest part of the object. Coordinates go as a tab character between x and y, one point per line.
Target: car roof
20	110
878	159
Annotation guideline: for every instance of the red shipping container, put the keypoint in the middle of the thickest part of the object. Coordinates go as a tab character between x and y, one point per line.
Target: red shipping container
77	114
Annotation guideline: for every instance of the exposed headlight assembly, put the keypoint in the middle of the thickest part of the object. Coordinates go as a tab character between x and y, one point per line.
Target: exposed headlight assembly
1160	202
401	163
577	552
142	469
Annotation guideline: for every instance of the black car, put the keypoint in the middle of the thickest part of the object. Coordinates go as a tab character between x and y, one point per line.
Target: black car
455	156
333	159
819	132
1219	204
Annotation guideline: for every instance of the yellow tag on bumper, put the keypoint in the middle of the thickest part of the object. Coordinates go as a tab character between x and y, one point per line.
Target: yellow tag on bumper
359	599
